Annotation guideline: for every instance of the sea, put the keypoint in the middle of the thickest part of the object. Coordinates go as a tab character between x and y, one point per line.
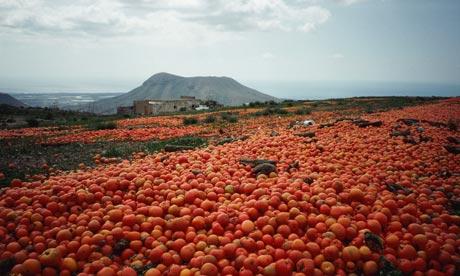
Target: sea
330	90
61	99
283	90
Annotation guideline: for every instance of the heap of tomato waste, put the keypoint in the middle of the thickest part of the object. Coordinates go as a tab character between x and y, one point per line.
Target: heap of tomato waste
352	201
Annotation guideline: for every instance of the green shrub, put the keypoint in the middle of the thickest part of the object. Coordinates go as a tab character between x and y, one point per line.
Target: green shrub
32	122
452	125
370	109
49	116
103	125
209	119
188	141
255	104
113	152
303	111
229	117
190	121
272	111
232	119
154	146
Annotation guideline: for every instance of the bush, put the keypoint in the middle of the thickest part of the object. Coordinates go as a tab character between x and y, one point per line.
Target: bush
103	125
272	111
225	115
188	141
452	125
255	104
190	121
49	116
229	117
154	146
232	119
113	152
212	104
303	111
209	119
32	122
370	109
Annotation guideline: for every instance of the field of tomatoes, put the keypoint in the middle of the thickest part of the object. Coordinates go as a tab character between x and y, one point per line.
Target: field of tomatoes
124	134
346	200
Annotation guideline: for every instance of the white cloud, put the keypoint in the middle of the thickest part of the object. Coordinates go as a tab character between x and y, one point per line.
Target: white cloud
348	2
337	56
318	16
158	18
268	55
272	15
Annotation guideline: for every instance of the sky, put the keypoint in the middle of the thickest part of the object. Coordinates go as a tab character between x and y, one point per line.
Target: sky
113	46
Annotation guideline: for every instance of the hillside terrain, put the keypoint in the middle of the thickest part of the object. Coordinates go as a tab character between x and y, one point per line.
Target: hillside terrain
7	99
164	86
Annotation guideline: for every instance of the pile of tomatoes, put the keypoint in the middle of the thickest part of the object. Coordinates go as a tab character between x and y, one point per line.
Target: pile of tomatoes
203	212
124	134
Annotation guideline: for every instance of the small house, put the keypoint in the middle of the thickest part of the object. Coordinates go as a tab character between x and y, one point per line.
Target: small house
125	110
155	107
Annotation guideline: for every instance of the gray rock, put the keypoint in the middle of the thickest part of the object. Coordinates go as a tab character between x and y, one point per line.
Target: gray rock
265	168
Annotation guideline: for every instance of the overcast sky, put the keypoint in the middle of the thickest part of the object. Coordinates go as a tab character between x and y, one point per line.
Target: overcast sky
91	45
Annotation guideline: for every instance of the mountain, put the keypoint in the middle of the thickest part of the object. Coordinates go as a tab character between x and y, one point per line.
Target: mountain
164	86
9	100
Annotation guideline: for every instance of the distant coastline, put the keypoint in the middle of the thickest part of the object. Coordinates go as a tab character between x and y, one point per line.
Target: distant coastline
61	99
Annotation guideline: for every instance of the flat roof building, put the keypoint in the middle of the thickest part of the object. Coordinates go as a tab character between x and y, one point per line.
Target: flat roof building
155	107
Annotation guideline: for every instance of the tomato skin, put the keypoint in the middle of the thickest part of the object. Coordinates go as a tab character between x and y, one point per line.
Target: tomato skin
283	267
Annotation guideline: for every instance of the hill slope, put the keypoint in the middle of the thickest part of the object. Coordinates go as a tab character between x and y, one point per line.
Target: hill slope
10	100
164	86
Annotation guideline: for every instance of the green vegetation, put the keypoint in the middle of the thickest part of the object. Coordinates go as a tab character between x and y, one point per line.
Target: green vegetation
27	158
375	104
302	111
452	125
209	119
272	111
125	150
18	117
191	141
190	121
262	104
100	125
231	117
32	122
